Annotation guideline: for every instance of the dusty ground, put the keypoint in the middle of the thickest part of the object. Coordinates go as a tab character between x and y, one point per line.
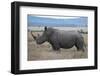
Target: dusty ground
45	52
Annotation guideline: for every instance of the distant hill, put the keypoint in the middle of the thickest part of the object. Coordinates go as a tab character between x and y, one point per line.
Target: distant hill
43	21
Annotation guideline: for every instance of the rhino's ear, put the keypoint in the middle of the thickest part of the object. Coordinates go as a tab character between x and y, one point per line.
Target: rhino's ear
45	28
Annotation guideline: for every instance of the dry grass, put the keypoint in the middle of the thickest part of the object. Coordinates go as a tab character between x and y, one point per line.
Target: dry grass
45	52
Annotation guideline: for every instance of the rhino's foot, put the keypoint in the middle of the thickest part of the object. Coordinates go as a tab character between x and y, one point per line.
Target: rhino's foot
83	49
57	51
78	54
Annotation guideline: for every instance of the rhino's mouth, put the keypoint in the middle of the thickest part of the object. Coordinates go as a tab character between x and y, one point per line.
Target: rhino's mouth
39	42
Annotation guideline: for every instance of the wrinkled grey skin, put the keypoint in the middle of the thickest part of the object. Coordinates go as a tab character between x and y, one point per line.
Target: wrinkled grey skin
61	39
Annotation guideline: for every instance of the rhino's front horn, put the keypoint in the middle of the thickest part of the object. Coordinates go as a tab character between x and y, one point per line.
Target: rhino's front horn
34	37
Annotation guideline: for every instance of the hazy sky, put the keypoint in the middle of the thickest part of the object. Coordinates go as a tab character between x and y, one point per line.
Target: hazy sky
57	21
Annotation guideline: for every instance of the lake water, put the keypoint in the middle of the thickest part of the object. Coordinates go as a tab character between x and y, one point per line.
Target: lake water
31	28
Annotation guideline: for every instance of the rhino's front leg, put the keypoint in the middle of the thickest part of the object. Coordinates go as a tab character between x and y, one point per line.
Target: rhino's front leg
56	47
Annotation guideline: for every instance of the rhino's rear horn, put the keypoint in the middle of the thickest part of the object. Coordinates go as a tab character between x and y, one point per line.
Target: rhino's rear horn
34	37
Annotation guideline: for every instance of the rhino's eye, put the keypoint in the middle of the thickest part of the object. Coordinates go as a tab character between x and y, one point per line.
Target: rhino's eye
38	35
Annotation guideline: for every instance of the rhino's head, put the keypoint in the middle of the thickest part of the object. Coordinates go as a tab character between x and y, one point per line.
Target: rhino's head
44	37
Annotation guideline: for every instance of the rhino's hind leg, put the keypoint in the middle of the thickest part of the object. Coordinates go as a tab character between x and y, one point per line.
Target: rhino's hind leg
80	52
80	47
84	48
